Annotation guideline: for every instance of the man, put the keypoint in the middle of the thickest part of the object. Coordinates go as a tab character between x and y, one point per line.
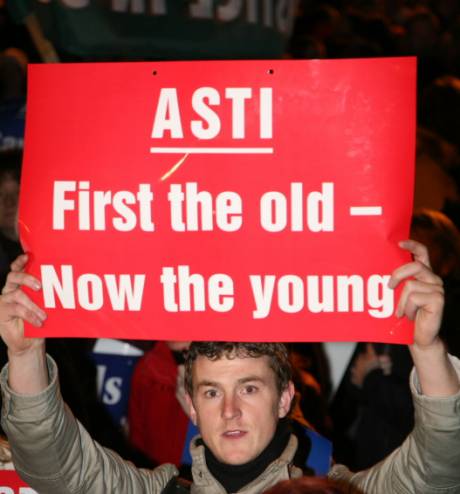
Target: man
237	395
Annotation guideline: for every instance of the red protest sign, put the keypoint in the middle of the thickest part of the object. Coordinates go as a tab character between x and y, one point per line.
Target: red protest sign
256	200
11	483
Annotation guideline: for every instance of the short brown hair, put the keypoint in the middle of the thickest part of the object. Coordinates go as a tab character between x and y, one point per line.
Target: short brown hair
215	350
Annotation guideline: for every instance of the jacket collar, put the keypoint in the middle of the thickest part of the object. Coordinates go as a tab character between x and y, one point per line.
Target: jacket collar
280	469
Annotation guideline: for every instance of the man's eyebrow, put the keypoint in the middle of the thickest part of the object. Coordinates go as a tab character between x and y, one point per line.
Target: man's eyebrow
205	382
247	379
243	380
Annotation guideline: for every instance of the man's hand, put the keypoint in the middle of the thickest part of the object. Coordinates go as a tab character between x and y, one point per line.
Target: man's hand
422	300
28	373
16	307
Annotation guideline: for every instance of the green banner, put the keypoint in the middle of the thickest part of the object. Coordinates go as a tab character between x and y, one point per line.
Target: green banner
162	29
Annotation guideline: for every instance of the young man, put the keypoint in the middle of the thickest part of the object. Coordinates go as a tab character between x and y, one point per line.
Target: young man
237	395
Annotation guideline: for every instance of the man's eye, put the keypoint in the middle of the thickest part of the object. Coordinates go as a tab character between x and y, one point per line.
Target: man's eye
210	393
249	389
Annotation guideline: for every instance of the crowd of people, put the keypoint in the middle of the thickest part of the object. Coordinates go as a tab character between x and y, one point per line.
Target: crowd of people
368	418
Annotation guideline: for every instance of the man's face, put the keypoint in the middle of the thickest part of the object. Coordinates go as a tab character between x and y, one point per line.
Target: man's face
236	406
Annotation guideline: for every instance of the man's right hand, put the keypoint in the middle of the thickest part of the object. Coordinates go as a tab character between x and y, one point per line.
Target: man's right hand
28	373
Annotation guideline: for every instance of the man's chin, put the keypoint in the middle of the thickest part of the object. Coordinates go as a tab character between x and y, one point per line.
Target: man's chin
236	458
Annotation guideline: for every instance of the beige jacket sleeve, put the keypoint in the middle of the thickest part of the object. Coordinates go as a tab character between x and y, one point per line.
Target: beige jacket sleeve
428	462
54	454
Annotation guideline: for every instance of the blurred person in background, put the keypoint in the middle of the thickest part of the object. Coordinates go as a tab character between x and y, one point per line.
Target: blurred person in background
13	64
10	248
157	417
436	170
307	485
312	382
439	109
372	410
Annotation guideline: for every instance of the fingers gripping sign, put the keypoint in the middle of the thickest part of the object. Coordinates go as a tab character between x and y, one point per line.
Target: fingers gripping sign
28	371
422	297
16	307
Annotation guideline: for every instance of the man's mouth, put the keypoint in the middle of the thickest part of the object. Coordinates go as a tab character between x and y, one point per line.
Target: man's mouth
234	434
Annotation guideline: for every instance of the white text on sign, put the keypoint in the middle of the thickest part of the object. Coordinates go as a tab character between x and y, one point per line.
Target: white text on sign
191	209
123	291
128	209
322	294
168	121
184	291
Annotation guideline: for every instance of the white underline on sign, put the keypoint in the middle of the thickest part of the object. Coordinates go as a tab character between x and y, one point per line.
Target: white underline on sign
212	150
366	211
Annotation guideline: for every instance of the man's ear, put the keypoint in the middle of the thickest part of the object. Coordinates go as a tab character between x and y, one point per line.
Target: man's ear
285	400
191	409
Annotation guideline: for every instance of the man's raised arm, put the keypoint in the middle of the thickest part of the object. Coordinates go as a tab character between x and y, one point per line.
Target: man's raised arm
28	373
428	459
422	300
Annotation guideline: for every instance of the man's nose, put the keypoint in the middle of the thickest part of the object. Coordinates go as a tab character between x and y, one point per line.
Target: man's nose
230	407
